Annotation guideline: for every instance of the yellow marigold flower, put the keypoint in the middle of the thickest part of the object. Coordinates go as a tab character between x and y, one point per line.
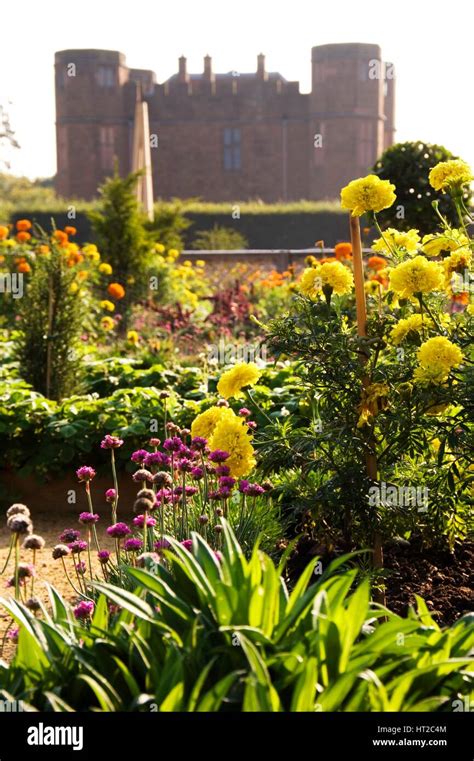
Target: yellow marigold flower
450	175
200	263
91	248
310	282
2	259
107	305
374	400
412	324
238	377
187	263
43	249
367	194
173	252
458	261
311	260
337	277
72	248
434	245
205	423
73	288
107	323
470	310
439	351
232	435
415	276
133	337
105	268
393	238
82	275
3	232
372	287
160	248
9	243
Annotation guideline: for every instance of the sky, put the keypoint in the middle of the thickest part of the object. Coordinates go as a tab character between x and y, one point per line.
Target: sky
429	41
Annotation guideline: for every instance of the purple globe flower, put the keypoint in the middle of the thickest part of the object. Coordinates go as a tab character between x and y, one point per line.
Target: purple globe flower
69	535
154	442
224	492
156	458
187	544
111	442
227	482
218	455
184	465
139	520
162	545
197	472
85	473
118	530
84	610
88	517
243	486
254	490
110	495
78	546
174	444
244	412
199	443
103	556
223	470
142	475
81	567
163	496
133	544
139	456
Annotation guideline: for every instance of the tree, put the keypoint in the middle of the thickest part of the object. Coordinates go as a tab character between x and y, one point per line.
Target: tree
407	166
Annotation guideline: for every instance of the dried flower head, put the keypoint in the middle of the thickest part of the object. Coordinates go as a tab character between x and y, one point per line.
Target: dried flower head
33	542
19	524
18	508
60	551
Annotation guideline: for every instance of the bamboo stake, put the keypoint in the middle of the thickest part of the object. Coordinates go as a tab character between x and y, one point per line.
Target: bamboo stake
49	348
361	313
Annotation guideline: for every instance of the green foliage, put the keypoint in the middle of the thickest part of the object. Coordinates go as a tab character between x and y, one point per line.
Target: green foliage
120	230
51	316
169	223
407	166
219	239
201	634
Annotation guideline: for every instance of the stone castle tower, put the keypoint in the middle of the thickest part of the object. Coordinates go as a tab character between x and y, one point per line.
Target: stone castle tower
227	137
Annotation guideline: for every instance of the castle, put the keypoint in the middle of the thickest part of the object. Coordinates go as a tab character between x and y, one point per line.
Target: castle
226	137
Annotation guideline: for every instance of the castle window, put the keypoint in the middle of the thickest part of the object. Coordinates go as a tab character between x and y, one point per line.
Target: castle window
107	148
232	158
106	76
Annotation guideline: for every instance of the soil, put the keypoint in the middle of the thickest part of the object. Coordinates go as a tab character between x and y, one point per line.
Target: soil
444	580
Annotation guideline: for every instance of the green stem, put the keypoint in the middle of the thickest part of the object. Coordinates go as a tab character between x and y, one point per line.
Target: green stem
114	475
17	562
12	542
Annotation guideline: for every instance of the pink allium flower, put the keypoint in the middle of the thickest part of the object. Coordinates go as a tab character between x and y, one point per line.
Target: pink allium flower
110	495
103	556
142	475
69	535
85	473
156	458
197	473
84	610
162	545
118	530
227	482
243	486
133	544
139	456
187	544
88	517
184	465
81	567
254	490
139	520
111	442
219	556
251	424
173	444
244	412
223	470
199	443
77	546
154	442
13	634
218	455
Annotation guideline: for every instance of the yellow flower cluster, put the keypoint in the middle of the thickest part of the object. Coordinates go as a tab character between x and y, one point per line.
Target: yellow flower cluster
392	238
367	194
238	377
107	305
415	276
450	175
330	275
412	324
374	400
434	245
224	430
436	358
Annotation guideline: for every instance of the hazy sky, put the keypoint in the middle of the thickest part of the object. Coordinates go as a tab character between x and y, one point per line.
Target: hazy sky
429	41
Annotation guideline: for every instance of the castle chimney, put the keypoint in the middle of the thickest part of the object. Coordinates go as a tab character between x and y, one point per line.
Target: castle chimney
261	73
208	75
183	75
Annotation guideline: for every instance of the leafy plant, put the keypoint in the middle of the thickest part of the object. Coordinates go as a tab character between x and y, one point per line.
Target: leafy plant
199	634
219	238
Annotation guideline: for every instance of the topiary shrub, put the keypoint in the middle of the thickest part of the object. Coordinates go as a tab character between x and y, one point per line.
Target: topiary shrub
407	165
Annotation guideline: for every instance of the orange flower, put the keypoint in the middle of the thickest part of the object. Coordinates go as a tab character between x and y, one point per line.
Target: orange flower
376	263
380	279
61	237
23	236
343	251
327	259
461	298
23	225
24	267
116	290
3	232
70	230
43	249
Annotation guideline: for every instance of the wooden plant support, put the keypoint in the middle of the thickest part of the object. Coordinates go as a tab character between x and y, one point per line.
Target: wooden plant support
361	313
